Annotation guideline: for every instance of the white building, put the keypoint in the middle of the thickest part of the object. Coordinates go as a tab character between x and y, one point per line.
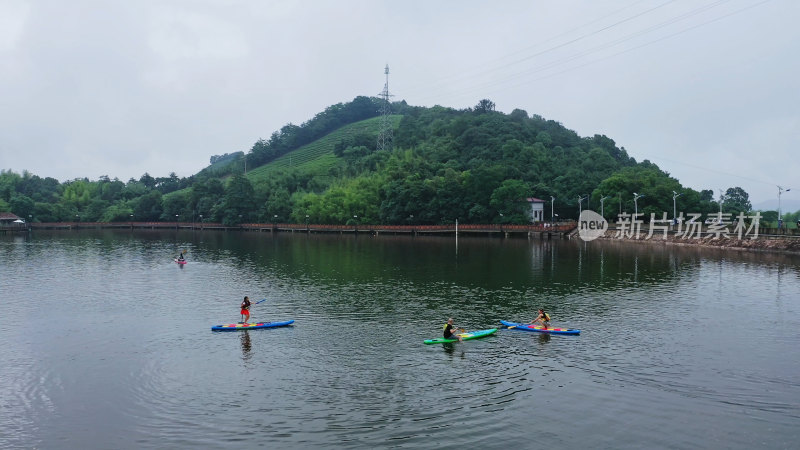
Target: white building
537	209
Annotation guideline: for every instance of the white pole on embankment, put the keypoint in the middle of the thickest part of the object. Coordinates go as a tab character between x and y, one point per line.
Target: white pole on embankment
456	236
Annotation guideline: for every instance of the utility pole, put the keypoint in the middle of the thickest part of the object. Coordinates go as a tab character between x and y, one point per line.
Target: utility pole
635	204
781	190
386	134
602	210
674	209
580	204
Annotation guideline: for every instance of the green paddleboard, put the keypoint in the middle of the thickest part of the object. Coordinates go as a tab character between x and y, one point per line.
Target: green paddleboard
464	336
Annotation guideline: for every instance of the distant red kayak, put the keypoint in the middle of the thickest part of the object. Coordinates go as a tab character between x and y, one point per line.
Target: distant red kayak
180	262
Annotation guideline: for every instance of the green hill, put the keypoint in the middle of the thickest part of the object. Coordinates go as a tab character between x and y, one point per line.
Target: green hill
317	159
475	165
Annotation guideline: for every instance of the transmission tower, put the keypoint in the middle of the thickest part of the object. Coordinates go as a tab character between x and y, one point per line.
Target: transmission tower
385	136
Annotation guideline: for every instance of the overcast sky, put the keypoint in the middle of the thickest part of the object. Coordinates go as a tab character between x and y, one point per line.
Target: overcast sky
707	89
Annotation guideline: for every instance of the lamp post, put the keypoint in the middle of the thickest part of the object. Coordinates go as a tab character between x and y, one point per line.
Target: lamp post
275	222
780	216
580	202
201	222
636	204
306	223
176	222
552	215
721	199
602	208
355	223
674	209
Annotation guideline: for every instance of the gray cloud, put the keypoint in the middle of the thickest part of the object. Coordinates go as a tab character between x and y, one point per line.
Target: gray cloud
707	90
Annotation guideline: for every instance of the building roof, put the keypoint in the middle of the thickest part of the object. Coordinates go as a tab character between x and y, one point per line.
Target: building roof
535	200
8	216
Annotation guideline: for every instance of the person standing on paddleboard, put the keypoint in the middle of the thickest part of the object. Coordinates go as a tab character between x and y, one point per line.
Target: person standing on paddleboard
245	309
542	318
449	331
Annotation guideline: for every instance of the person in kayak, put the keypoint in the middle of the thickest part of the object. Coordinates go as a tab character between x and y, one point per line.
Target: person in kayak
245	309
180	257
450	330
542	318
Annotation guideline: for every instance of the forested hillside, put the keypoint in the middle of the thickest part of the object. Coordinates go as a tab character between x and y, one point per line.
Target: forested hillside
476	165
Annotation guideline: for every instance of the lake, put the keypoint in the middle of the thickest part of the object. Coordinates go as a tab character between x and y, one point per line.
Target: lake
105	342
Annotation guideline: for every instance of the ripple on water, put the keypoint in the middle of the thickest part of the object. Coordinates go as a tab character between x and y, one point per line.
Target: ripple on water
129	350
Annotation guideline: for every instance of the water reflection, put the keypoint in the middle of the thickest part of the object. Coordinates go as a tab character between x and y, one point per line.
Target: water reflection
544	338
247	346
450	349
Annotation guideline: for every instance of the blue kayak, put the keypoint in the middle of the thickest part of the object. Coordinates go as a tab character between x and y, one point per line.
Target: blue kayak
250	326
539	328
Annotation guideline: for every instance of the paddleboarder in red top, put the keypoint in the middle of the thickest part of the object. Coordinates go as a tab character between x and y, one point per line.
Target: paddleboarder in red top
245	309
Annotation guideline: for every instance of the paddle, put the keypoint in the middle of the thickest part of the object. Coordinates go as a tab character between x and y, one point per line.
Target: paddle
260	301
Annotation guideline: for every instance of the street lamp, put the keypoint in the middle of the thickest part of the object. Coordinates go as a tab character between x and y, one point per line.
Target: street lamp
636	204
674	209
602	209
552	202
176	221
306	222
721	199
780	191
580	202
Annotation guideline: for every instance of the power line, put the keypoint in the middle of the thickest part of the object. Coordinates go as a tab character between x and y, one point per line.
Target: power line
444	82
569	69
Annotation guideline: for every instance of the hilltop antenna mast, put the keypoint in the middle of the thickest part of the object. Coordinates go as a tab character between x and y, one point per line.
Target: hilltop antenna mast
385	136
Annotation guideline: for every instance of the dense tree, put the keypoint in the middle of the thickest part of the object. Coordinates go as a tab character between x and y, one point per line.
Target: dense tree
238	202
510	201
736	200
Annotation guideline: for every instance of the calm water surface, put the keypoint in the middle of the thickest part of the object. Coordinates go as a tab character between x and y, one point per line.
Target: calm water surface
105	342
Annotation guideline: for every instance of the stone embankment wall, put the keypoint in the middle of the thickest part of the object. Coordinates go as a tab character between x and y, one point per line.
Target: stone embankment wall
764	242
